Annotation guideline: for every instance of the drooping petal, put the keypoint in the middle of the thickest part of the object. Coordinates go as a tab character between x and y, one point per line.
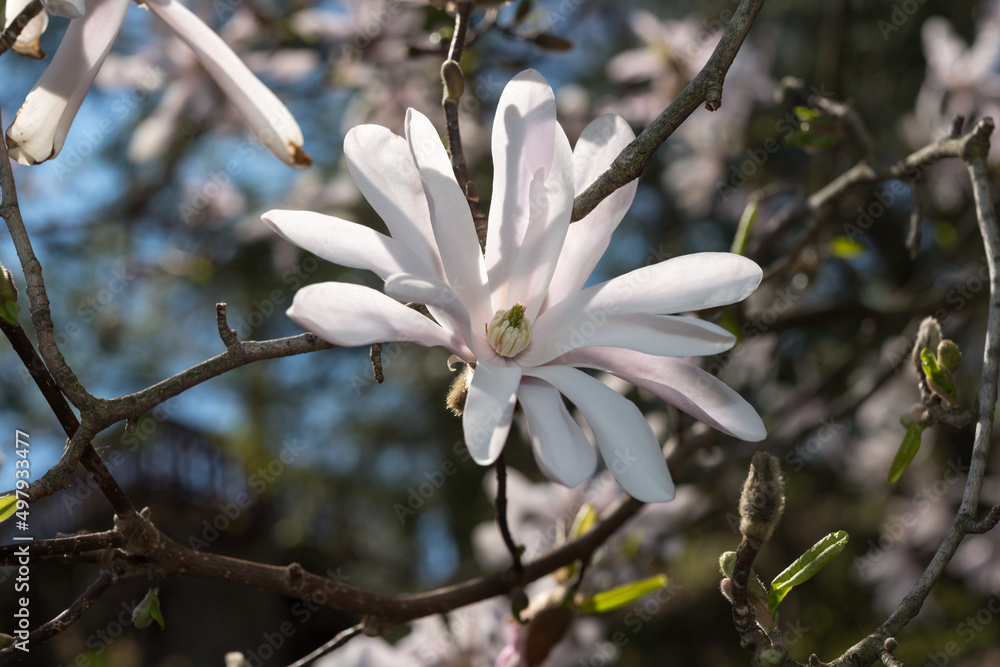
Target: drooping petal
382	167
524	136
269	119
27	43
680	284
550	206
345	243
587	239
665	335
561	449
680	383
69	9
451	218
627	444
489	409
353	315
40	127
442	303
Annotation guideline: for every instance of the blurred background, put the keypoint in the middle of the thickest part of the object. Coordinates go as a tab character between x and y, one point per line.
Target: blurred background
143	228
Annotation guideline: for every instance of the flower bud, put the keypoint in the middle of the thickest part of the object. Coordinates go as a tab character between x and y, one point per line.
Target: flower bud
763	498
928	335
949	355
454	83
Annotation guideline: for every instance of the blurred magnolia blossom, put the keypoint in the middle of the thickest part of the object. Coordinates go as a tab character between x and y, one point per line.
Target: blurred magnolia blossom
519	315
673	53
40	127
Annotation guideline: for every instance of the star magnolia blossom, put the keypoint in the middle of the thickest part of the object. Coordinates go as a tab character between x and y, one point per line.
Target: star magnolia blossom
531	281
39	130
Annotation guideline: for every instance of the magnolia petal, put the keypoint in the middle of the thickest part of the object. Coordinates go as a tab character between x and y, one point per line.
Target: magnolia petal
451	218
664	335
269	119
489	409
550	206
562	451
524	136
685	283
382	167
354	315
680	383
70	9
40	127
345	243
587	239
442	303
628	446
27	43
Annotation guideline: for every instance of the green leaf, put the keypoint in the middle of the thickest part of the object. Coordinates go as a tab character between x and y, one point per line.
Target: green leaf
847	248
807	114
805	566
907	450
148	610
937	377
8	505
744	229
727	563
5	639
583	522
618	597
9	310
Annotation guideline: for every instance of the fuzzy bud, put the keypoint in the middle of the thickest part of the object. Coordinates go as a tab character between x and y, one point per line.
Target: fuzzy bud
8	290
763	498
948	354
454	83
929	336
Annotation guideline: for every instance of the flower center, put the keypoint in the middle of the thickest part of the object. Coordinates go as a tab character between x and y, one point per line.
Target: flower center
510	331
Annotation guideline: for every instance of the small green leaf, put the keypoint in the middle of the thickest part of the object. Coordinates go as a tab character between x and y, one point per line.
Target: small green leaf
847	248
805	566
9	310
937	377
584	521
745	227
727	563
8	505
907	450
807	115
620	596
5	639
148	610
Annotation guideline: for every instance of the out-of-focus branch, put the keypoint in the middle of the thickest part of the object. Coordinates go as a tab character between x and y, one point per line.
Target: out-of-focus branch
972	148
705	87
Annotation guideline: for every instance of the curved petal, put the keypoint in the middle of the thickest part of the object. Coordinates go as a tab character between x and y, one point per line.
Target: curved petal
587	239
27	43
489	409
382	167
40	127
271	122
680	383
345	243
550	206
562	451
443	304
689	282
451	218
627	444
524	136
353	315
664	335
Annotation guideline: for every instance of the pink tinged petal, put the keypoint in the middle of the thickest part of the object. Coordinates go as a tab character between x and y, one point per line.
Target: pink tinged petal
587	239
561	449
442	303
550	203
677	285
268	118
353	315
382	167
680	383
70	9
451	218
27	43
345	243
663	335
628	446
524	136
489	409
39	130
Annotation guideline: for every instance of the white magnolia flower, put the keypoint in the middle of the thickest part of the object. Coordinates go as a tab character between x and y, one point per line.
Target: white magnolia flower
519	313
26	43
39	130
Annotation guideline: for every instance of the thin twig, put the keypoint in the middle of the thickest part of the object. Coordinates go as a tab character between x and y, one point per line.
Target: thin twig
342	638
517	568
227	335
